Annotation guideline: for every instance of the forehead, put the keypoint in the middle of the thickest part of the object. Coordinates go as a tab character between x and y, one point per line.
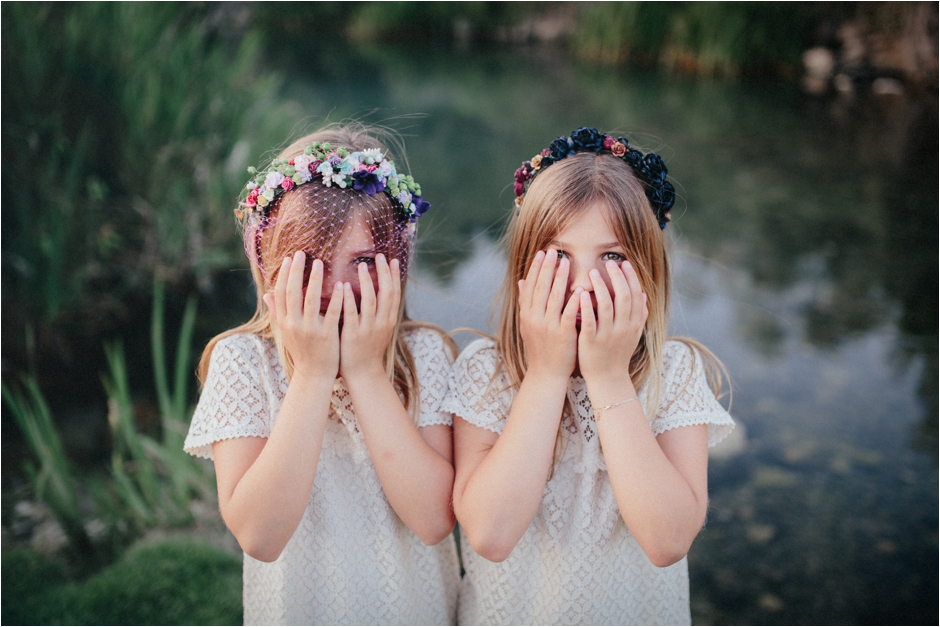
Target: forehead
591	223
356	236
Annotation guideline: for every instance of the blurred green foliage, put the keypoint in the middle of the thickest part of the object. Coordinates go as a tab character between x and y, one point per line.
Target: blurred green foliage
173	582
126	126
151	481
711	38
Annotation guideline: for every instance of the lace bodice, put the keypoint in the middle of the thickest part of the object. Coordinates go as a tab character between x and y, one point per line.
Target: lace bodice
578	563
351	560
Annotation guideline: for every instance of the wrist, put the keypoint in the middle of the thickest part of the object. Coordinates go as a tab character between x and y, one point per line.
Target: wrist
609	388
361	375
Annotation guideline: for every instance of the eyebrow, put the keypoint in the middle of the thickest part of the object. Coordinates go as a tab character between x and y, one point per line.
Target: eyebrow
561	244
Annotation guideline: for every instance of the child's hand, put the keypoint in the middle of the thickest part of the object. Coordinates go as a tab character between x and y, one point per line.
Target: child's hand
366	334
546	321
311	339
606	343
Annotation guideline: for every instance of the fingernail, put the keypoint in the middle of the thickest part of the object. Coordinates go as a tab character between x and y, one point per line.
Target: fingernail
595	274
539	255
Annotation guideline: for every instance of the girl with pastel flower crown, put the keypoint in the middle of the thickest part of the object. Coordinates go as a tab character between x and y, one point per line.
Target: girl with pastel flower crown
581	432
323	413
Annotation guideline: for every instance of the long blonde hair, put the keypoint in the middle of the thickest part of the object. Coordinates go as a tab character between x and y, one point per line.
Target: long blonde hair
313	218
556	198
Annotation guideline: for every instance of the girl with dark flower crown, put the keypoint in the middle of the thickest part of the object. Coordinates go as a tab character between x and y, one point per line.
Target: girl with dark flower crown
323	413
581	431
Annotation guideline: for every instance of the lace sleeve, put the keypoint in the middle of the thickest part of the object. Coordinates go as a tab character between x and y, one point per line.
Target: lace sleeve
432	365
473	393
686	397
235	400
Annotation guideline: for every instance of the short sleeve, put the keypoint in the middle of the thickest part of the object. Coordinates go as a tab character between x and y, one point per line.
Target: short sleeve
235	400
474	393
686	398
432	361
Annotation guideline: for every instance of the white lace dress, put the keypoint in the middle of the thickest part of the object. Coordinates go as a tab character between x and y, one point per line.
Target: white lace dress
578	563
352	561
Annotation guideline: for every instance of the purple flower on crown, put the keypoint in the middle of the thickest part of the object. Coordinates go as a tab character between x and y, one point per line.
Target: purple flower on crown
420	205
368	182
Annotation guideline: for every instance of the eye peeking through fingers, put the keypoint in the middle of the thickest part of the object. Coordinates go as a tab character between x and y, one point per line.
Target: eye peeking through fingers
366	260
612	256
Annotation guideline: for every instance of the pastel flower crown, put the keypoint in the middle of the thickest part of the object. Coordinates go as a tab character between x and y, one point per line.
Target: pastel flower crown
367	171
650	168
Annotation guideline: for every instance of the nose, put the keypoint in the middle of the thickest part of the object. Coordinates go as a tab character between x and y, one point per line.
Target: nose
578	276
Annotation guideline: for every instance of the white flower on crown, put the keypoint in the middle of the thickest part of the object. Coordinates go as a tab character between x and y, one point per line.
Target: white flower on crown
326	171
371	155
340	179
404	197
386	168
273	179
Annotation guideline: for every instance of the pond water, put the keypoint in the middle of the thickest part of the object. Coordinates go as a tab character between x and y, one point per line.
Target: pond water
804	249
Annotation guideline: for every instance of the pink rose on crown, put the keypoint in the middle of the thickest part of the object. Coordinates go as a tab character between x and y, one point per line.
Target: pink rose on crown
287	184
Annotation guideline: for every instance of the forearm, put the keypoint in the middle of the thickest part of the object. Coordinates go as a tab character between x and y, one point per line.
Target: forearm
417	479
663	507
265	506
497	501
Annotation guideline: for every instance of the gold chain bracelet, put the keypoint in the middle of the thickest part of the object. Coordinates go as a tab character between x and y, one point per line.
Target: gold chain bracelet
598	410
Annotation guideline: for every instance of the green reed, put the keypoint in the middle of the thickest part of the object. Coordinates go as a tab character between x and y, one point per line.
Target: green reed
150	480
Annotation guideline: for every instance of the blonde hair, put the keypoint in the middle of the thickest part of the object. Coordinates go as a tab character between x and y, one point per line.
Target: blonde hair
313	218
556	198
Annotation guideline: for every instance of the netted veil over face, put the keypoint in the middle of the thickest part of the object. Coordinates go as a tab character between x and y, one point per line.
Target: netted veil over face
341	227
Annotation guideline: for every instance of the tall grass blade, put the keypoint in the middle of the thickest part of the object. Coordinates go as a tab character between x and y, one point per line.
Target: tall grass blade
53	480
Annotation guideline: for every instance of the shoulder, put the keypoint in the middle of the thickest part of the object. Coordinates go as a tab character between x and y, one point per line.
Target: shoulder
479	351
428	342
242	345
681	360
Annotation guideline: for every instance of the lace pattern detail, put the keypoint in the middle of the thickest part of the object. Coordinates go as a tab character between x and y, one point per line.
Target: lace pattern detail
351	559
578	563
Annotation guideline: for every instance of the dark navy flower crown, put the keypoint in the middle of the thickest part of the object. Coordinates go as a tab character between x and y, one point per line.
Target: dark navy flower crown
649	168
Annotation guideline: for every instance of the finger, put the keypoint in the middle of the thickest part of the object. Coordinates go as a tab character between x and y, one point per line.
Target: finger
569	316
394	290
350	314
314	285
543	284
636	290
556	299
527	286
333	310
280	289
367	289
605	305
295	284
588	323
622	292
